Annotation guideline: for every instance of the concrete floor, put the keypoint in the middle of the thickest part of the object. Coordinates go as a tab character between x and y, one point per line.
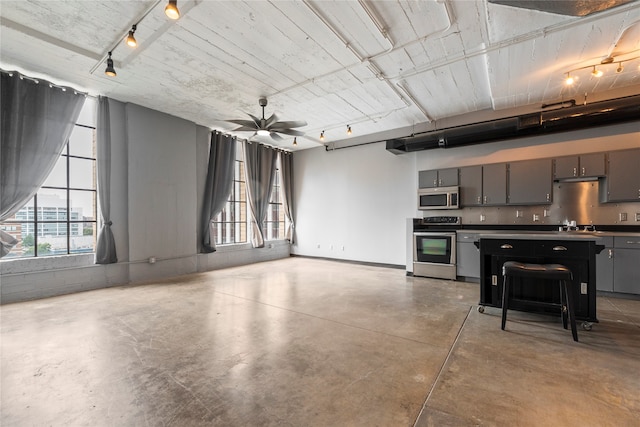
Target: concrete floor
308	342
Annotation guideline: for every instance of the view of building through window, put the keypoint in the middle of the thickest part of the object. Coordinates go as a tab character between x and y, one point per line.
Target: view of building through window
274	225
61	217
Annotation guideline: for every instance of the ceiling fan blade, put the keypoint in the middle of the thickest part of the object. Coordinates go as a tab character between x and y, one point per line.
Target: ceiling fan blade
271	120
289	132
276	137
244	123
255	120
290	124
244	129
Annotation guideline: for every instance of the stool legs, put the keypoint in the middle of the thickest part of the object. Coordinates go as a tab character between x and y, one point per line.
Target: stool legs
570	311
505	299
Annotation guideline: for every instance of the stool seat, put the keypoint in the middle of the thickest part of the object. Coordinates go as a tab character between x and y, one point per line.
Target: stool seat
542	272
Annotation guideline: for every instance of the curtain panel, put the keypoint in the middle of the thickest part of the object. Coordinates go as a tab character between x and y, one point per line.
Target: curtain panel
106	246
286	176
36	119
222	156
260	166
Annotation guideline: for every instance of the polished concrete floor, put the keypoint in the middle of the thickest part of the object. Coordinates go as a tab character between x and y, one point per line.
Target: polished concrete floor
309	342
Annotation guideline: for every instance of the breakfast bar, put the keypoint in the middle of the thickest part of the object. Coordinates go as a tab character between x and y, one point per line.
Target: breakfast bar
577	251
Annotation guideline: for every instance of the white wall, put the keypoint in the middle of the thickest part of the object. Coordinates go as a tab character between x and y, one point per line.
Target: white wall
360	197
357	198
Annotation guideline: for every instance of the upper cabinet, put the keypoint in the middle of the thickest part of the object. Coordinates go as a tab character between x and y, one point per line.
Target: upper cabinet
530	182
494	184
623	176
438	178
470	186
583	166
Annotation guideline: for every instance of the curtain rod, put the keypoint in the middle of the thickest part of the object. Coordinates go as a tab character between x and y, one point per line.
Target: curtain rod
251	142
38	80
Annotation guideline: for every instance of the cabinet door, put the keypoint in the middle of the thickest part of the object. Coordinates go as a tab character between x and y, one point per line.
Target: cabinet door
530	182
467	256
625	271
428	179
494	184
592	165
471	186
448	177
566	167
623	177
604	270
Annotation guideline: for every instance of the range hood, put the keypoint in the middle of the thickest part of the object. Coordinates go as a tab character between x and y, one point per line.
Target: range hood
544	122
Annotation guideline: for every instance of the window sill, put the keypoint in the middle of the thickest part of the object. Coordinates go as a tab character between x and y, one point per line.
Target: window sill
28	265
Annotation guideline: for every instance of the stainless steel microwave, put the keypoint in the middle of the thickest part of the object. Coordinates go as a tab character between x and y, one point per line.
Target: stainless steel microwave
438	198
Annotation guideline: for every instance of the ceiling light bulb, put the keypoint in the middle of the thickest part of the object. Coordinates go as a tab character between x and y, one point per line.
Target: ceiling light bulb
348	130
110	71
596	72
620	67
322	136
295	141
263	132
131	40
569	80
171	10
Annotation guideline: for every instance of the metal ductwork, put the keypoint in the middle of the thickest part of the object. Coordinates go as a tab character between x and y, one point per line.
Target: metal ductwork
544	122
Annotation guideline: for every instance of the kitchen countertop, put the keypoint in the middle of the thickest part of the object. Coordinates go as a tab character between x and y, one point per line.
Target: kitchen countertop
553	235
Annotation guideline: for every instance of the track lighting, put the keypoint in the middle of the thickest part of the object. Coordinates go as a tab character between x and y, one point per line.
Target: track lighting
569	80
596	72
322	136
295	141
596	69
131	40
348	129
171	10
110	71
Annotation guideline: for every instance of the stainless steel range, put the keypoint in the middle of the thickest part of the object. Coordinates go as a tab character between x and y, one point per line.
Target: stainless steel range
434	247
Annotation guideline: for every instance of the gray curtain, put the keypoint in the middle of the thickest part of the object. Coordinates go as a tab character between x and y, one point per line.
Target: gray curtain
260	166
36	118
106	247
286	176
222	156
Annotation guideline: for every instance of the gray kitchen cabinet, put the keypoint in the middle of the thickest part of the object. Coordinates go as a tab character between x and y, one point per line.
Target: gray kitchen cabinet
604	266
470	186
626	267
438	178
623	176
494	184
467	256
530	182
585	165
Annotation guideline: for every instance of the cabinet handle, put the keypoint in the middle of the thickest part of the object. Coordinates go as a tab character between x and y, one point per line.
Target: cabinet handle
575	171
440	183
479	199
548	197
435	182
559	248
610	253
485	197
583	172
506	246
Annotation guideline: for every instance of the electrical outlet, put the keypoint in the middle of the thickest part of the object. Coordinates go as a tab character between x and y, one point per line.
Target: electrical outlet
583	288
623	216
483	217
519	213
637	216
494	280
546	213
536	217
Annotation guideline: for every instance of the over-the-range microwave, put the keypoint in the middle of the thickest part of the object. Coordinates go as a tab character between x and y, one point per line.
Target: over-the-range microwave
438	198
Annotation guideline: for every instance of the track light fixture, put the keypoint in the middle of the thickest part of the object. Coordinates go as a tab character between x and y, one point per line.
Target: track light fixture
171	10
131	40
110	71
597	69
322	136
295	141
348	129
596	72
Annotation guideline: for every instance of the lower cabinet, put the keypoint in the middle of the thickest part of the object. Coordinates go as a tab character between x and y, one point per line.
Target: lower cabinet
617	265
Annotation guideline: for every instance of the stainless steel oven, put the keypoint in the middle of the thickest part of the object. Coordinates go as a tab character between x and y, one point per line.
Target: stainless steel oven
434	254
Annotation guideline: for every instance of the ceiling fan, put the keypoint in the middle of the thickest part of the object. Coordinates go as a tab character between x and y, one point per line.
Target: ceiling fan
268	127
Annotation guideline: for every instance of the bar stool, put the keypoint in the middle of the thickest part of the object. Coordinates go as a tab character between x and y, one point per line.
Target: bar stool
562	274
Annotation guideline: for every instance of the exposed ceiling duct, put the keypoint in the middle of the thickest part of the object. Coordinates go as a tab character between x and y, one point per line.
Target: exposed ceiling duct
543	122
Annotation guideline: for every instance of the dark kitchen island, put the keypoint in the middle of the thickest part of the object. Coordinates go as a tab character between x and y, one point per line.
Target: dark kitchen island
575	250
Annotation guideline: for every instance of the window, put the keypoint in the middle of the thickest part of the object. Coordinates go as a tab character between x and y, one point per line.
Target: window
230	225
61	217
274	225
